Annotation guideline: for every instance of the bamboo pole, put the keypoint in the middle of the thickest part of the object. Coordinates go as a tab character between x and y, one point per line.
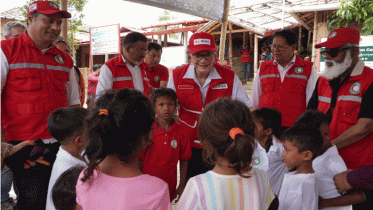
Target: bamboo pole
230	46
299	38
314	38
256	48
223	30
185	34
63	4
251	40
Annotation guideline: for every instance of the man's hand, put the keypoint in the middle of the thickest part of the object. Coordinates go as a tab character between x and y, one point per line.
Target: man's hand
340	181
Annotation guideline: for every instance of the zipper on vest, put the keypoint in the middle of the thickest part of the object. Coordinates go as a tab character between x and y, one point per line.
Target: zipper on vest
48	79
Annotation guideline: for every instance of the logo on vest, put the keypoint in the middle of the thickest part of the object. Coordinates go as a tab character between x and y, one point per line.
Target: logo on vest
255	161
174	143
156	78
220	86
298	70
59	59
202	41
355	88
332	35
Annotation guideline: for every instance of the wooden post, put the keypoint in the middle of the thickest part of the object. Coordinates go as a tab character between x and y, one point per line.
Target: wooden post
63	4
152	38
223	30
314	42
160	40
230	46
185	34
251	40
244	38
256	48
299	38
309	40
165	38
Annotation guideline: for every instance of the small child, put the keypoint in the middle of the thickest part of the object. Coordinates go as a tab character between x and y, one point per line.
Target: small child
299	189
328	164
116	136
66	125
169	144
63	191
226	130
267	155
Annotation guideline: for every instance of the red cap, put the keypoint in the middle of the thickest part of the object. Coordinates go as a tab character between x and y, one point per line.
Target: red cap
46	8
201	41
341	36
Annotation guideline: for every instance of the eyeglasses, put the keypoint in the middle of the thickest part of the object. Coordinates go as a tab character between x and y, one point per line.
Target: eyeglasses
208	56
278	47
142	51
333	52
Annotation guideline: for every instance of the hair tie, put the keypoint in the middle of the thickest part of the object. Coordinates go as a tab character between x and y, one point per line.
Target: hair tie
234	131
103	111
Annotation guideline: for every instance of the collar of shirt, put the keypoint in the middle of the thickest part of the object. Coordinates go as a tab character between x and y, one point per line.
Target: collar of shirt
321	158
128	64
287	67
358	68
274	147
191	74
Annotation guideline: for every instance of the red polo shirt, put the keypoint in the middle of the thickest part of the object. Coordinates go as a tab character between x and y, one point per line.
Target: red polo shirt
157	74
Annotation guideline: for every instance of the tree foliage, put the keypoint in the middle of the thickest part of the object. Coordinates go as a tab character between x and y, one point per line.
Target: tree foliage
75	7
163	17
354	10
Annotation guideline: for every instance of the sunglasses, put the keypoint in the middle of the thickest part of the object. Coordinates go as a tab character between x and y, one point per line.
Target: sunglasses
333	52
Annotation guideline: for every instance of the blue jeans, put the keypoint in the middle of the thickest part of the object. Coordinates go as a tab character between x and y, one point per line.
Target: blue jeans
246	68
6	184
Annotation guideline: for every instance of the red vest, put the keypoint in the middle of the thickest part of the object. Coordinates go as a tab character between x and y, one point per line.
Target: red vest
35	86
122	77
345	115
289	97
190	97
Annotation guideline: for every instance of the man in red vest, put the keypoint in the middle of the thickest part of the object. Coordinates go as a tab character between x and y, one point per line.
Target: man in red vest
246	62
127	70
157	74
344	93
36	79
285	82
198	84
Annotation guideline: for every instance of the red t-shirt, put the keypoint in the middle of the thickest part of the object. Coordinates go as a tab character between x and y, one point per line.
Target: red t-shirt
157	74
245	56
92	83
161	159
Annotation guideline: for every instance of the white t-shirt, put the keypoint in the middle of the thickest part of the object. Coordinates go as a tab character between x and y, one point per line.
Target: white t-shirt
326	166
64	161
238	92
299	192
272	163
215	191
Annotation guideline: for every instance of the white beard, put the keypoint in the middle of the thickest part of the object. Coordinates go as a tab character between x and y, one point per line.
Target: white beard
337	69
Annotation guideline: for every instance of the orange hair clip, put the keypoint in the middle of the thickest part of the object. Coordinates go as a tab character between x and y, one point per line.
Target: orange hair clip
234	131
103	111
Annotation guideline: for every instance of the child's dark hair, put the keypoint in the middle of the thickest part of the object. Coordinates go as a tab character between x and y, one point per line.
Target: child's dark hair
63	191
104	100
119	130
312	118
305	138
269	118
67	122
217	119
159	92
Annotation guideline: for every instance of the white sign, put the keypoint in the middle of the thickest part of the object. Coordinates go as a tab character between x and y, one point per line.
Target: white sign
173	56
105	40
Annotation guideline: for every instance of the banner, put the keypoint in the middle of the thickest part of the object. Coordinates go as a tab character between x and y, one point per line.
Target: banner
105	40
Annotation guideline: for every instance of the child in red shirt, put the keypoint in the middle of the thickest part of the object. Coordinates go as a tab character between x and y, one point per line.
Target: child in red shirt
169	144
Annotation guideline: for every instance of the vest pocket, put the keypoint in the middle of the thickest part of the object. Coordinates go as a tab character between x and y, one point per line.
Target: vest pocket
26	80
349	114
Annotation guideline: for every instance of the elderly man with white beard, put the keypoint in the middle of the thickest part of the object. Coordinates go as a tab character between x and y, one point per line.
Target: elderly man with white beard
344	93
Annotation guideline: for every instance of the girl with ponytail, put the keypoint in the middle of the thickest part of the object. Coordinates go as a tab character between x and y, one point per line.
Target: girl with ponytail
226	129
116	135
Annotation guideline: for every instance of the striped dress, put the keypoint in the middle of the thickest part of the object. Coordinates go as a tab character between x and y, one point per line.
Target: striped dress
215	191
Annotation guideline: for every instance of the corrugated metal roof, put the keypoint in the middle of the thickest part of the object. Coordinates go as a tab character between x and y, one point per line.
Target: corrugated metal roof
13	14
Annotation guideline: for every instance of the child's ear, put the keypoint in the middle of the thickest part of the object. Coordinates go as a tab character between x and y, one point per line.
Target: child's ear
78	141
307	155
269	131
